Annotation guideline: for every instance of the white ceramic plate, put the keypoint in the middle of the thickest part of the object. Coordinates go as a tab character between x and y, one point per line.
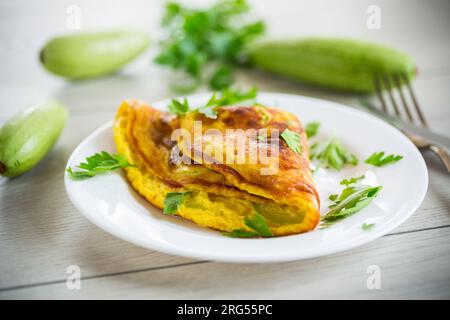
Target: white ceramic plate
110	203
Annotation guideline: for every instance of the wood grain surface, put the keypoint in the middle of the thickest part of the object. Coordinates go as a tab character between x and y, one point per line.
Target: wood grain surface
41	233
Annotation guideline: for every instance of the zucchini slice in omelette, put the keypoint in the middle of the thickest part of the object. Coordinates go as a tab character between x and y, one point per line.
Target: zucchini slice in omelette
218	194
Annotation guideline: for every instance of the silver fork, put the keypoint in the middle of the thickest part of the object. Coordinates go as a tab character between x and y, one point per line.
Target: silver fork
390	83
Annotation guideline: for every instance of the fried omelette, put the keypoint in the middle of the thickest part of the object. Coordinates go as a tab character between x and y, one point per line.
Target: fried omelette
219	194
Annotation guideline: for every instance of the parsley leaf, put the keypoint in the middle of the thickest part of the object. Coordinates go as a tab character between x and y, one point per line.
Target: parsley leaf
331	154
333	197
98	163
347	182
222	78
225	98
241	234
293	140
179	108
367	226
172	201
257	223
311	128
376	159
351	200
206	43
209	112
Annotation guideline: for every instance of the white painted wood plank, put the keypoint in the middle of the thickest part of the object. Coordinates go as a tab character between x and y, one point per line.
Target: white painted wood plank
411	265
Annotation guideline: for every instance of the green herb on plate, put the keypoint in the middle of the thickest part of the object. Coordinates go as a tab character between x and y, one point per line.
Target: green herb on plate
331	154
172	201
293	140
347	182
98	163
311	128
206	43
379	160
353	198
179	108
367	226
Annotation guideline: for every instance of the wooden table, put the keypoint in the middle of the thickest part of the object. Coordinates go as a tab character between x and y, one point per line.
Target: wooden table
42	234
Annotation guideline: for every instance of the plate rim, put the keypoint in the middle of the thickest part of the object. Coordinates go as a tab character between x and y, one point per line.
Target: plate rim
273	258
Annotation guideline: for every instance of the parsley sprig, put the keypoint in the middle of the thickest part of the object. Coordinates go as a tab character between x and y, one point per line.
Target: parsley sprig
199	40
226	97
311	128
98	163
353	198
331	154
379	160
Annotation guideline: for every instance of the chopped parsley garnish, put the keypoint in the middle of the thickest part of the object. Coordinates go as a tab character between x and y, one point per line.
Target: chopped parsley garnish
226	97
367	226
347	182
178	108
333	197
311	128
172	201
379	160
352	199
206	43
98	163
293	140
331	154
257	223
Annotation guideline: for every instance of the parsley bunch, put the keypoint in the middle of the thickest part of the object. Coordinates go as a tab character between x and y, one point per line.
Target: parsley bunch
215	37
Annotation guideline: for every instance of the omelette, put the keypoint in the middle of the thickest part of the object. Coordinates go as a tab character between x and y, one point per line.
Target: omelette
214	193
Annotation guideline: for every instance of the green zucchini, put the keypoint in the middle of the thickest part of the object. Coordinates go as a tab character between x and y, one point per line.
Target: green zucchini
28	136
340	64
88	55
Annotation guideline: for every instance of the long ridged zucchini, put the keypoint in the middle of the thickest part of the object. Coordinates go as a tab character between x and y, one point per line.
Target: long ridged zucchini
340	64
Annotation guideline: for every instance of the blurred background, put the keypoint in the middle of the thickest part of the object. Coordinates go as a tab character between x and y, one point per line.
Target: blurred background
420	28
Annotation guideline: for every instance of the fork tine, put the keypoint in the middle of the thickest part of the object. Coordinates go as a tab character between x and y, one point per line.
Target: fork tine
398	84
389	89
413	97
377	85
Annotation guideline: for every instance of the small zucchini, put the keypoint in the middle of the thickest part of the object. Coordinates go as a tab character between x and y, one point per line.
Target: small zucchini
88	55
340	64
28	136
